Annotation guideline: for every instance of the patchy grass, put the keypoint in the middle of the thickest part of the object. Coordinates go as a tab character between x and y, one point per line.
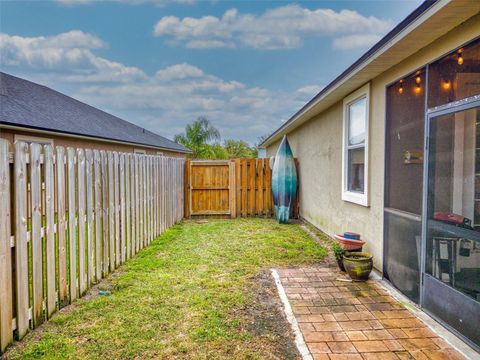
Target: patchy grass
190	295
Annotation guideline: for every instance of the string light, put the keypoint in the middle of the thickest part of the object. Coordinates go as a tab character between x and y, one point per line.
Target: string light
418	80
446	85
460	58
417	89
400	89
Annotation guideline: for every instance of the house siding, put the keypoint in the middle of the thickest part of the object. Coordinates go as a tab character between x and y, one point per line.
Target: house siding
318	146
61	140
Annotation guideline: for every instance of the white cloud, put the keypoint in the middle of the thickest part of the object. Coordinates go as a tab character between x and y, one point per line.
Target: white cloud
355	41
167	103
179	71
284	27
163	102
69	54
309	90
209	44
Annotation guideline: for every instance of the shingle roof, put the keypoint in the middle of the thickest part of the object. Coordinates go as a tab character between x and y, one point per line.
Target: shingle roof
27	104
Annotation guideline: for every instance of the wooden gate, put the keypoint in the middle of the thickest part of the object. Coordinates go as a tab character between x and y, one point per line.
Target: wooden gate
237	187
211	188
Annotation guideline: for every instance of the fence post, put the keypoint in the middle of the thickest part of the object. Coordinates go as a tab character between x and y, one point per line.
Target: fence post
6	306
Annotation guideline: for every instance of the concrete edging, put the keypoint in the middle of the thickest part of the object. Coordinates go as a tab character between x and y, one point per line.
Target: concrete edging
287	309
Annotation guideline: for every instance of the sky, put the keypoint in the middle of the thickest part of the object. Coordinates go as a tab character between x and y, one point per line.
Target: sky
245	65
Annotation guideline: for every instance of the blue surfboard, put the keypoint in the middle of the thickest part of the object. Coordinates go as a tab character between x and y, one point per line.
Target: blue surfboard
284	181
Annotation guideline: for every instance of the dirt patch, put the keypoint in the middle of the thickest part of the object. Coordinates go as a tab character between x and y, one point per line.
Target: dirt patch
266	319
324	240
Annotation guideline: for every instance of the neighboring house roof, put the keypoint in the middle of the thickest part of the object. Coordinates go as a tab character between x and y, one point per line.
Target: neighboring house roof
29	105
432	19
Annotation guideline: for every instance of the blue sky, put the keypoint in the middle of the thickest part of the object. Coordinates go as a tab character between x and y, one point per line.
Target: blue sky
246	65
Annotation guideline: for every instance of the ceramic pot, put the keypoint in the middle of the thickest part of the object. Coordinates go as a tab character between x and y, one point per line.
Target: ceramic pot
349	244
359	265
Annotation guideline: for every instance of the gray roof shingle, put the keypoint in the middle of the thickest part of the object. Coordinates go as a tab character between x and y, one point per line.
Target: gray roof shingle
27	104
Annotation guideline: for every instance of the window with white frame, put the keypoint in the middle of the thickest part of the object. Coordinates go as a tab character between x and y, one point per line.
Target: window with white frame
355	146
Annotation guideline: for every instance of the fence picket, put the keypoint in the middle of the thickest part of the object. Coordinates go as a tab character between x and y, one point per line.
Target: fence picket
122	208
21	249
6	305
82	278
137	202
163	195
116	188
50	229
90	216
268	190
111	211
72	226
148	215
141	170
98	215
128	210
36	234
61	227
155	196
133	201
105	213
145	201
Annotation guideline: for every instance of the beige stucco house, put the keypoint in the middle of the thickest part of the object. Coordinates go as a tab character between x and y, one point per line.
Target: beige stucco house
390	150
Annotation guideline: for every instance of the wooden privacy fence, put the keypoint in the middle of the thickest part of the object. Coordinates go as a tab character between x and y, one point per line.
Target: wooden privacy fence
70	217
234	188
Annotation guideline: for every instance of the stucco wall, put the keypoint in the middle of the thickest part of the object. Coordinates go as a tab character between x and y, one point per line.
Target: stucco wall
318	146
84	143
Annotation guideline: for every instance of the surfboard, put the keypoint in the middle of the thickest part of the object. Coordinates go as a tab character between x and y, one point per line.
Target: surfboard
284	181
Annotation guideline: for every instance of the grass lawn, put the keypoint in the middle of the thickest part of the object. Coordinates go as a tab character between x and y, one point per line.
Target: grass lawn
201	290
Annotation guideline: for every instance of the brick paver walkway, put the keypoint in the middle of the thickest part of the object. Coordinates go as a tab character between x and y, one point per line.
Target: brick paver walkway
345	320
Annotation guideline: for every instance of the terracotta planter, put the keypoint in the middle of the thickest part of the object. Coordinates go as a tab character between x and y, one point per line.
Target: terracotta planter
349	244
358	265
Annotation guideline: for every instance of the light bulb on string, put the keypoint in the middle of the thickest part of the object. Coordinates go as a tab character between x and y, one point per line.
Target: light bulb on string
446	85
417	89
460	58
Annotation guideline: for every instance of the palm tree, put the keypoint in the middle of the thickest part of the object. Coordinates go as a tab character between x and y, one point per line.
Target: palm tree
197	137
239	149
